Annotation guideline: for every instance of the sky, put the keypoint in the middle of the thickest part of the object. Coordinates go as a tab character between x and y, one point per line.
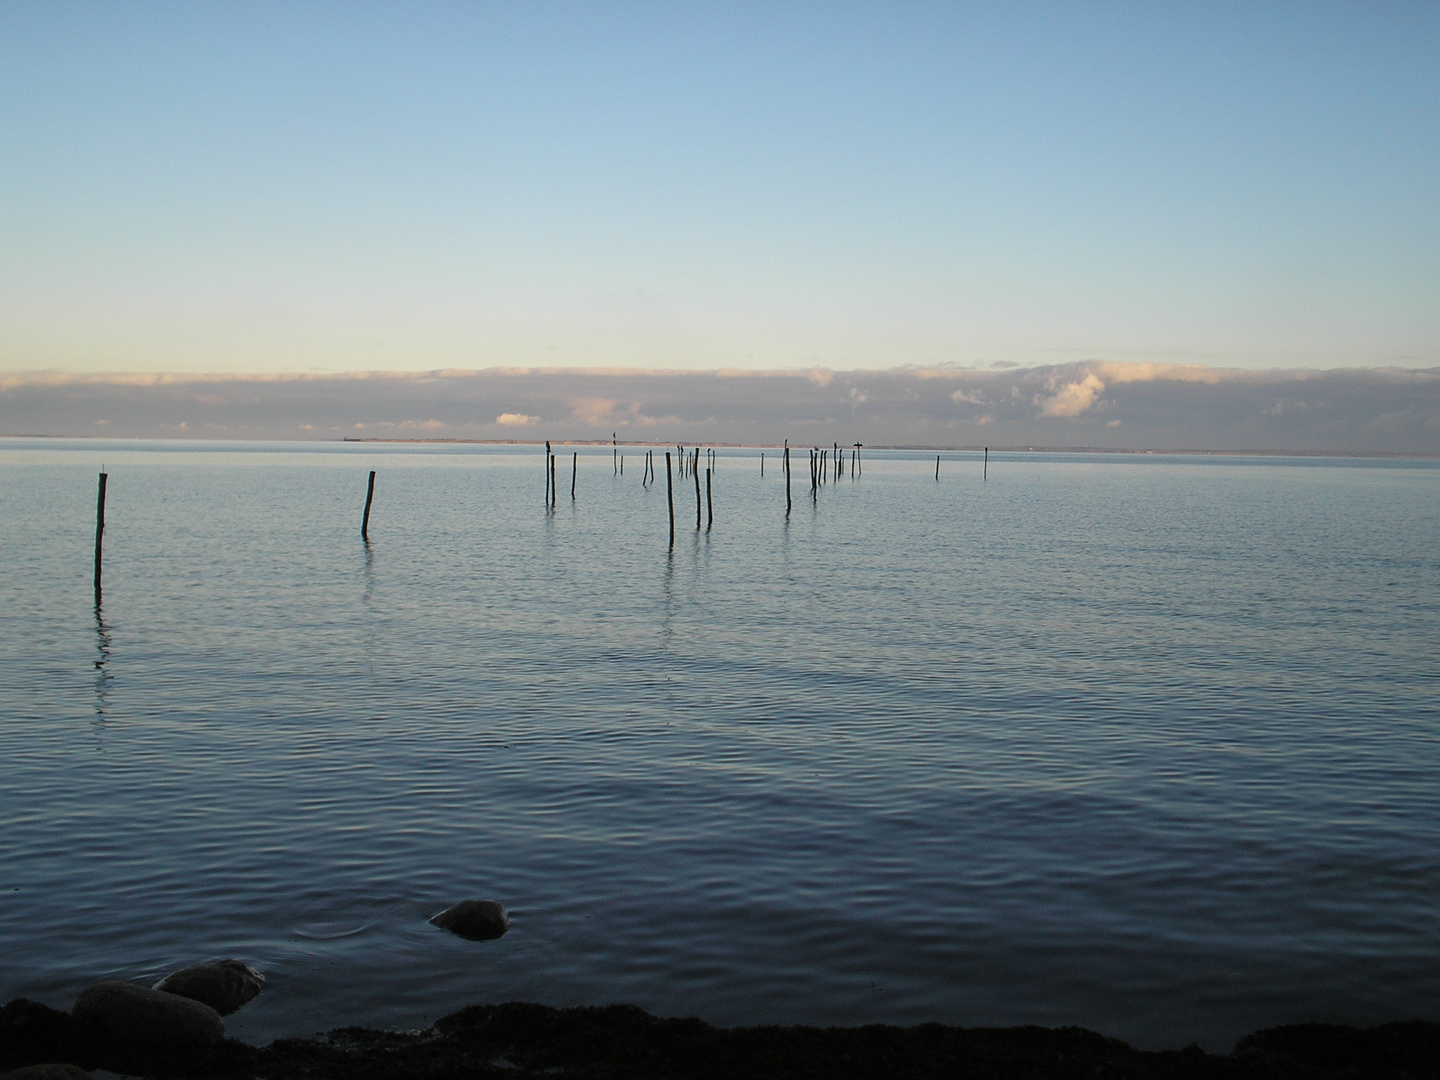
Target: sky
260	189
305	187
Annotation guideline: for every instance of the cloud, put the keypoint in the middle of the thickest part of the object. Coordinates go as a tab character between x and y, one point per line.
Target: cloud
604	412
1162	406
1071	398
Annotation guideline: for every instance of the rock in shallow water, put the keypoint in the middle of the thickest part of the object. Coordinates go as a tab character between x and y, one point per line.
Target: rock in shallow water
474	920
124	1014
224	985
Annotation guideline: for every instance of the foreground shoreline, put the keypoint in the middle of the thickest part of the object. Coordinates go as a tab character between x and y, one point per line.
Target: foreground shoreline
521	1040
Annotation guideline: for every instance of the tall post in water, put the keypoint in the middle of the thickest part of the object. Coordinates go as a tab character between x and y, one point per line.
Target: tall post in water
787	477
709	506
838	461
762	464
695	472
574	468
985	468
614	454
100	527
937	467
365	518
553	491
547	472
855	462
670	497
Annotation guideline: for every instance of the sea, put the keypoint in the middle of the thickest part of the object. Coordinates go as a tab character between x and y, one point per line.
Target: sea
1148	744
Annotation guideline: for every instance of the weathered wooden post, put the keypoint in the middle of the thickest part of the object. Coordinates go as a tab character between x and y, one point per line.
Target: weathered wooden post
547	472
937	467
553	489
365	518
100	526
787	477
762	464
614	454
574	468
709	506
695	472
670	497
855	462
985	468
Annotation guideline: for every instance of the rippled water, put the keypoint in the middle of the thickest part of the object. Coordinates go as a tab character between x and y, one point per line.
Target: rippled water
1145	744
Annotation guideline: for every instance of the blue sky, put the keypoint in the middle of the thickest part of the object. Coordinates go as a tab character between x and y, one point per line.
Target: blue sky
317	187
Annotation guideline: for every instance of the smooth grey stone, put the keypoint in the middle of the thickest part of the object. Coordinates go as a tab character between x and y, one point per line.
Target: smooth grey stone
136	1016
224	985
47	1072
474	920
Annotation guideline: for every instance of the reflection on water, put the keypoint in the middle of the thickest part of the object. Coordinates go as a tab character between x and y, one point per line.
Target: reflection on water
1144	745
102	657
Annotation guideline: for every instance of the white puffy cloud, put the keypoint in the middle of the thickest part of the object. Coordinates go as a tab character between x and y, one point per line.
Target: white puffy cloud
516	419
1071	398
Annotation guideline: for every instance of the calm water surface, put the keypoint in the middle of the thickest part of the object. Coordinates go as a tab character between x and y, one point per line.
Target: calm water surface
1145	744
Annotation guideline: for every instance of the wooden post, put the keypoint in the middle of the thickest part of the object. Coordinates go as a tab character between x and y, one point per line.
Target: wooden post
985	468
100	527
670	497
787	477
937	466
762	464
369	497
855	462
574	468
553	490
709	506
614	453
547	472
695	472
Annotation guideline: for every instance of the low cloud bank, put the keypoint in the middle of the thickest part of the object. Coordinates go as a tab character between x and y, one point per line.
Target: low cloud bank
1093	403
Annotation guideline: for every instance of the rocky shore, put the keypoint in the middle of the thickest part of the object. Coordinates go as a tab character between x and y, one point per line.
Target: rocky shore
519	1041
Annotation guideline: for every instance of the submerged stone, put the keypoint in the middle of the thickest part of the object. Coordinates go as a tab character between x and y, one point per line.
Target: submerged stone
123	1014
474	920
224	985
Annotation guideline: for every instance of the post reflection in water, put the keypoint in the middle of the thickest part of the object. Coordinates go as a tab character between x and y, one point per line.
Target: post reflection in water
102	658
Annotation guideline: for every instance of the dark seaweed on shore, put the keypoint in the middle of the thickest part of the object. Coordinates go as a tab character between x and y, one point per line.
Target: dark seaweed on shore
520	1041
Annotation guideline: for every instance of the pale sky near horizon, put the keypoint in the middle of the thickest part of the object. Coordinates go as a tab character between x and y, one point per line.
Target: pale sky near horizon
332	187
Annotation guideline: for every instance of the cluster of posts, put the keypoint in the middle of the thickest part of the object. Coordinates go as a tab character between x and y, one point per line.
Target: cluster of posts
826	466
